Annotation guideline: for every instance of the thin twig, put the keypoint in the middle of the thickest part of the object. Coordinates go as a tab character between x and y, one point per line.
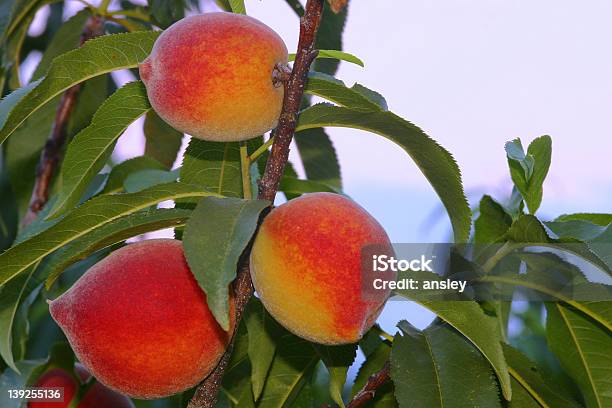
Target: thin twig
206	394
51	154
368	392
245	167
261	150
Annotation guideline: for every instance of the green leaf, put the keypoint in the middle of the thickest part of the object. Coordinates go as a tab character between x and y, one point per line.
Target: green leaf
263	336
578	229
164	13
92	95
215	236
96	57
319	157
91	148
335	54
11	100
553	276
11	296
534	382
237	6
599	219
527	231
293	185
329	37
521	397
93	214
121	172
237	379
214	166
25	144
529	170
144	179
439	368
435	162
600	245
493	222
305	398
317	152
295	6
583	348
375	360
470	320
541	150
21	326
8	208
337	360
370	341
597	239
163	142
23	152
6	13
517	160
357	97
316	149
291	370
17	295
12	50
114	232
22	9
66	38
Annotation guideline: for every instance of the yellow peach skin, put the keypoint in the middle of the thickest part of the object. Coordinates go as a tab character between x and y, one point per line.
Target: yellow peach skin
211	76
306	267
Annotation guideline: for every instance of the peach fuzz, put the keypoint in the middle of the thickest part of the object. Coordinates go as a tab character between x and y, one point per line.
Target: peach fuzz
306	267
98	396
211	76
140	323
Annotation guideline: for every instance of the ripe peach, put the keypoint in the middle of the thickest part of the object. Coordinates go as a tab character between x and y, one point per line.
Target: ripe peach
306	266
212	76
140	323
98	396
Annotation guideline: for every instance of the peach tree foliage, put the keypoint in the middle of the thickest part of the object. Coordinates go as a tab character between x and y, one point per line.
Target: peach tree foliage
466	357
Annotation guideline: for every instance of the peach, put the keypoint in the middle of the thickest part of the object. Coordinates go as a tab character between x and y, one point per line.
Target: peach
306	267
140	323
213	76
98	396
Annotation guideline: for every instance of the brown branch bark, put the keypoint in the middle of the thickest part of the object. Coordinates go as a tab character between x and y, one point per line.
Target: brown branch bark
51	154
368	392
206	394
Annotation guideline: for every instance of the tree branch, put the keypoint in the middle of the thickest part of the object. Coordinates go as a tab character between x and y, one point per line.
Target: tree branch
294	90
51	154
368	392
206	394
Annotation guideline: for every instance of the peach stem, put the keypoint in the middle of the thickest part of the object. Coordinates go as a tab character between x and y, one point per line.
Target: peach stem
245	165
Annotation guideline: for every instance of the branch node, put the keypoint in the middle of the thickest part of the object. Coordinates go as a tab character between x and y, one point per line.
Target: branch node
280	75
